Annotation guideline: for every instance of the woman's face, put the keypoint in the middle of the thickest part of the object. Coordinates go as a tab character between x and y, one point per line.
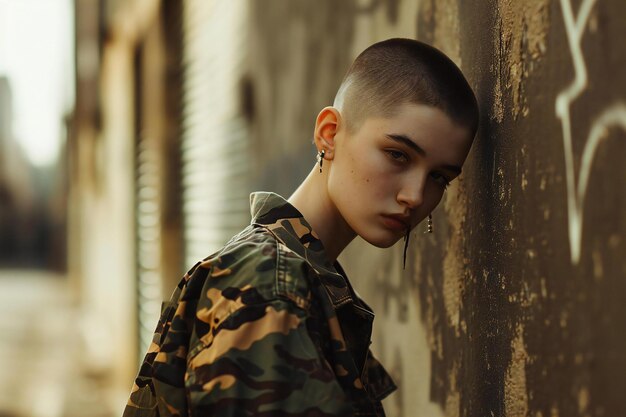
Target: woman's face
392	172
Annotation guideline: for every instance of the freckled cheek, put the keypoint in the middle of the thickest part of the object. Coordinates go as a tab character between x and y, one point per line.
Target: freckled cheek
380	185
368	173
370	166
372	188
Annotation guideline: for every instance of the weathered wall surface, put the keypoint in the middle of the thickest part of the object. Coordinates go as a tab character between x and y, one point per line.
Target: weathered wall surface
514	306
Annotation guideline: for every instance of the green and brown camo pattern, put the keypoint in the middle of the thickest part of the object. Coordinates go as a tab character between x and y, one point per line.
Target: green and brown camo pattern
265	327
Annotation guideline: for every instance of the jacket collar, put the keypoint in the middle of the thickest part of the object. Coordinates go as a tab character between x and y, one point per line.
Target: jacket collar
353	335
276	214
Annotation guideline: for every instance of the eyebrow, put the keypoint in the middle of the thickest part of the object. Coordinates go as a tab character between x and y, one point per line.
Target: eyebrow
411	144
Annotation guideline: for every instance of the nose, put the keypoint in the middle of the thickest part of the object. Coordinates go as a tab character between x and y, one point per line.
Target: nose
411	194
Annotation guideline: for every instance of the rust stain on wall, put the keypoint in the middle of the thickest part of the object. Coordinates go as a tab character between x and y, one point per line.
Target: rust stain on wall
515	393
442	20
452	406
583	400
520	41
454	263
433	336
447	29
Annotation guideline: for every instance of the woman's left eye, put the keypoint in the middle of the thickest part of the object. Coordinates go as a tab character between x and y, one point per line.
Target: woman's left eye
397	156
440	179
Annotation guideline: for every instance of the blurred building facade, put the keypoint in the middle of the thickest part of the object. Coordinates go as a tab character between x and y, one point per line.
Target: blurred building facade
513	307
17	196
32	201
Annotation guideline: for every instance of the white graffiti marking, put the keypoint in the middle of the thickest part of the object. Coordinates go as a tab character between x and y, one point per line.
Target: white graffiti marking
612	116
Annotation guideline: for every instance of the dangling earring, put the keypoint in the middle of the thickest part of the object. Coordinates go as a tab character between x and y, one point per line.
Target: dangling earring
408	235
430	224
320	158
406	245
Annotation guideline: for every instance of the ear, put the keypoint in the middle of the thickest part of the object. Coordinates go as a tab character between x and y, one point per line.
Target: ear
326	127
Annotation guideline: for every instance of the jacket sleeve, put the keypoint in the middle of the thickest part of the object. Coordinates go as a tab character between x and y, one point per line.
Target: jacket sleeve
159	388
261	361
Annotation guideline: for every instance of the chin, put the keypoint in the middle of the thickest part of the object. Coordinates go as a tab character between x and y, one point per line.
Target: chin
382	242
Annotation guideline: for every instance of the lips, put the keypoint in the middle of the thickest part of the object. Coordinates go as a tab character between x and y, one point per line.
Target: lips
396	222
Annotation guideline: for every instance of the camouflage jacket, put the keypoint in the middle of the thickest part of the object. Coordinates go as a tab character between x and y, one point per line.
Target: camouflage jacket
267	326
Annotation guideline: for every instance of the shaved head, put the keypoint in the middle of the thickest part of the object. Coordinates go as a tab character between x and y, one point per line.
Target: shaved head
399	71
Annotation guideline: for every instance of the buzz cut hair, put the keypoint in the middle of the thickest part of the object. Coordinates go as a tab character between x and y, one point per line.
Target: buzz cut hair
398	71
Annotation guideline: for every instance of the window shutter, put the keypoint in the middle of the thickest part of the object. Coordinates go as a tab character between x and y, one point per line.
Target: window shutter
215	143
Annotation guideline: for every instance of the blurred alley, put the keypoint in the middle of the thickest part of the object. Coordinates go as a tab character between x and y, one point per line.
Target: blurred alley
45	371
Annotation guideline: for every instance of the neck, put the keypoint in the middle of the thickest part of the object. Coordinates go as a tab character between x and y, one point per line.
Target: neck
312	200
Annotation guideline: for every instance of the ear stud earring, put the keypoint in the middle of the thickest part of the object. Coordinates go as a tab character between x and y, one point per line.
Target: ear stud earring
320	158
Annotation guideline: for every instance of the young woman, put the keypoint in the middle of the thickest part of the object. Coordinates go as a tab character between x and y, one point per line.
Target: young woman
269	325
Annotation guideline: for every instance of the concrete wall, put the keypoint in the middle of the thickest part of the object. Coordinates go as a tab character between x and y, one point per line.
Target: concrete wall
514	306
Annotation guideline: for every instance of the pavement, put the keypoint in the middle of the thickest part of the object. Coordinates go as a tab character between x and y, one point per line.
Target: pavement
42	366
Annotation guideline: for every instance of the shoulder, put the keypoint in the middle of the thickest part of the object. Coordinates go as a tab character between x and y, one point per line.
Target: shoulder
253	265
253	289
253	276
